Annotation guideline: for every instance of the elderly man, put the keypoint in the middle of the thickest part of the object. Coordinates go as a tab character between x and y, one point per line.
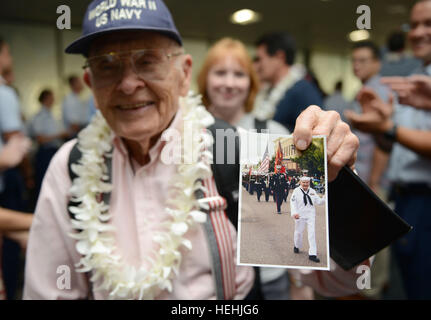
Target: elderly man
303	210
138	71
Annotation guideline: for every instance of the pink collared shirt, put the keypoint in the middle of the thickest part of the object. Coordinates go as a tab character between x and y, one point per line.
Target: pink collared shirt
137	209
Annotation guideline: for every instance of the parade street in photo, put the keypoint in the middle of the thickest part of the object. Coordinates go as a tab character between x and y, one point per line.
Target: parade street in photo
266	238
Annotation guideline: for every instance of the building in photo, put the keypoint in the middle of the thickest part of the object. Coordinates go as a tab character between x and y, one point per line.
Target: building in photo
288	152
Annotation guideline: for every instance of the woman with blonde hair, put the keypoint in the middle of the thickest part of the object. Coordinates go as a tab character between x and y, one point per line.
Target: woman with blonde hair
228	84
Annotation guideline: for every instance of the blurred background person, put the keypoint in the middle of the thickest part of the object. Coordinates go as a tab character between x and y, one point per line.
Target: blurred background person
75	110
48	133
372	160
8	76
336	101
410	164
287	93
13	225
18	179
366	62
228	84
396	61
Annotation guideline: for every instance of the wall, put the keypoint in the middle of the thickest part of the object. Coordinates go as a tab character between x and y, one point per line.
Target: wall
40	62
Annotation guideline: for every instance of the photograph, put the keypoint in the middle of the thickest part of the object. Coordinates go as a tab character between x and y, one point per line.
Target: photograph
283	212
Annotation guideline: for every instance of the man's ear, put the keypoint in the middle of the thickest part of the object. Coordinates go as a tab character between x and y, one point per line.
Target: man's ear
186	74
87	78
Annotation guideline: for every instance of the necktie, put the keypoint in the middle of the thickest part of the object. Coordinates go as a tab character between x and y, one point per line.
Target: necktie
306	196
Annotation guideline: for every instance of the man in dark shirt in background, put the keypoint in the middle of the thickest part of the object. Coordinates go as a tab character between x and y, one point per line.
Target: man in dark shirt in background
287	93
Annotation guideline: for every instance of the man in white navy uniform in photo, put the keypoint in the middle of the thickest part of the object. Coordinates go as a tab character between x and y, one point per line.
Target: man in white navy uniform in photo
303	210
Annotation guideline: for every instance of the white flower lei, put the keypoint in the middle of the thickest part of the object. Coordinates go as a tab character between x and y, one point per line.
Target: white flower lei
96	242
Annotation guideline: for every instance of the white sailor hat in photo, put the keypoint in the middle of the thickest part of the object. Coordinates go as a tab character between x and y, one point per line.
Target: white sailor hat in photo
105	16
305	179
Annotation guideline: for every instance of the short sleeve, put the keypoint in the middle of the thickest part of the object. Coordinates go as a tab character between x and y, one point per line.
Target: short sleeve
10	118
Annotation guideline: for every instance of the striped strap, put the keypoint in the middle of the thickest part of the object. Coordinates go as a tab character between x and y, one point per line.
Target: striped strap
222	247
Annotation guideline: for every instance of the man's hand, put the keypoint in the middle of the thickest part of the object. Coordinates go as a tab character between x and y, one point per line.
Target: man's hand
342	144
376	116
296	216
414	91
14	151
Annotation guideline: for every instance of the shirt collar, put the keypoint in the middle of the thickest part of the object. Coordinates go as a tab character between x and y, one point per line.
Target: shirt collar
2	80
155	150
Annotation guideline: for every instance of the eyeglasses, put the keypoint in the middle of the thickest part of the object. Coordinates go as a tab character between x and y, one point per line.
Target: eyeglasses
148	64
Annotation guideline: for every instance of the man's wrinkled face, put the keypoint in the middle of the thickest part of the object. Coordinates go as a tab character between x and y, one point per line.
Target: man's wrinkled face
266	66
365	65
419	35
305	185
138	109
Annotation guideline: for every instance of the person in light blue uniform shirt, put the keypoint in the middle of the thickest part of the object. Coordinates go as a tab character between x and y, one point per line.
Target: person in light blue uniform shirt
366	62
410	164
396	61
75	111
12	195
411	177
49	134
10	117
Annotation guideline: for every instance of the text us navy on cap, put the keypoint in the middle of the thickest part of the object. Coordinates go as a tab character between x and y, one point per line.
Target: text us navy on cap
104	16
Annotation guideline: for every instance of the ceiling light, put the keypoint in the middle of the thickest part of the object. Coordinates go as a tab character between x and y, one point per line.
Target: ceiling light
244	16
359	35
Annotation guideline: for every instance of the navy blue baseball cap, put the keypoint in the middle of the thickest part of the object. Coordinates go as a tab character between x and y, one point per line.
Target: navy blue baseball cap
105	16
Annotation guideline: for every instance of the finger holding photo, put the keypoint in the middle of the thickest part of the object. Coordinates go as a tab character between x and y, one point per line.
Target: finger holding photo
341	142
